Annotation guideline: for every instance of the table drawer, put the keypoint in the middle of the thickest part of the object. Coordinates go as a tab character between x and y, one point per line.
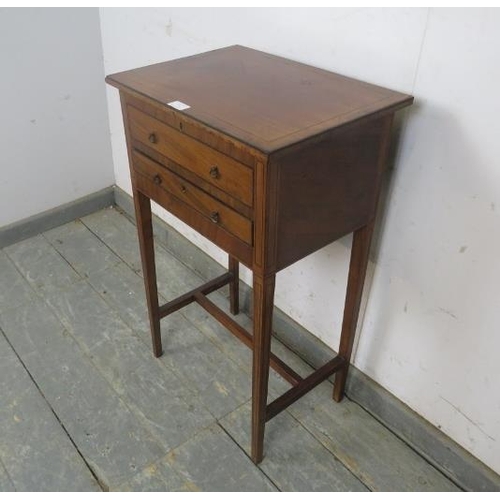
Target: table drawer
214	167
218	213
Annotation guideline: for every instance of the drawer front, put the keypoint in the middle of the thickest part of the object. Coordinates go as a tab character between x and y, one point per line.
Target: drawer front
218	235
215	211
214	167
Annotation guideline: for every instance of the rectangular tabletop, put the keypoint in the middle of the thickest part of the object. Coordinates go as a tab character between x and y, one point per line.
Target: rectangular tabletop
262	100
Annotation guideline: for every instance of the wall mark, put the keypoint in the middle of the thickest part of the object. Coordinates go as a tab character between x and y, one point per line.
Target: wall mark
475	424
168	27
449	313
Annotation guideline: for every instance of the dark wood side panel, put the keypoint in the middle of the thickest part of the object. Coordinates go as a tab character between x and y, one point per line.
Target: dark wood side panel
326	190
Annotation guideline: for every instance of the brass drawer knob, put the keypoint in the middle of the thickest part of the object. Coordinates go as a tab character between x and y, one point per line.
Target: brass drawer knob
214	172
183	189
214	217
152	138
157	179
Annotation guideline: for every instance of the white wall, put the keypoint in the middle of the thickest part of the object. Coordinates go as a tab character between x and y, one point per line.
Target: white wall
430	330
54	132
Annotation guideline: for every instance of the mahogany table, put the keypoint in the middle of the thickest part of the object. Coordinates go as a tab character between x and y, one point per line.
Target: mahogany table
270	160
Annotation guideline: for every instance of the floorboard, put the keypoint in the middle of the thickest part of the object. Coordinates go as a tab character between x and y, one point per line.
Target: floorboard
36	454
81	386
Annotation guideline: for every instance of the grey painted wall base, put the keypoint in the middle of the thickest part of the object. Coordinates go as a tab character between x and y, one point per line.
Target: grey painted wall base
446	455
39	223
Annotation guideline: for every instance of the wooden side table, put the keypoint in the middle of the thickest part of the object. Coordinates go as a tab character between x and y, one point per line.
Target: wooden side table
269	159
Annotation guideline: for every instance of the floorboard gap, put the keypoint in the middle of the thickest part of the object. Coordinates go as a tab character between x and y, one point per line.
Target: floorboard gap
250	458
100	482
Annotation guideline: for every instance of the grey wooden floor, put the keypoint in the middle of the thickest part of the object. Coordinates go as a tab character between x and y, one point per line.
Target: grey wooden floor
85	406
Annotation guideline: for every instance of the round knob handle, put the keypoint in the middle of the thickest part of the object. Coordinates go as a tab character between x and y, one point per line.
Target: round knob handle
157	179
214	172
152	138
183	189
214	217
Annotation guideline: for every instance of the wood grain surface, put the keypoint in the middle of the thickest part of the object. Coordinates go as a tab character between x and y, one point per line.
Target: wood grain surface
260	99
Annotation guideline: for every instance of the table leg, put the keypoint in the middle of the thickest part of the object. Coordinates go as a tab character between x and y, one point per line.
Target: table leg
143	216
263	296
357	272
234	285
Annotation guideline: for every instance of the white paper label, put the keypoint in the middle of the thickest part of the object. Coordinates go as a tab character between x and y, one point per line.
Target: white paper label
178	105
